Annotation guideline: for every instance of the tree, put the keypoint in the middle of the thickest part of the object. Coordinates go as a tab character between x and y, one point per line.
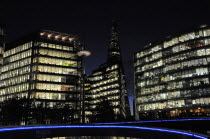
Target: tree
38	112
13	111
16	110
103	112
60	113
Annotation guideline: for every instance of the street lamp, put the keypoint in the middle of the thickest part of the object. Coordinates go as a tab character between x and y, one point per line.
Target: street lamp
83	54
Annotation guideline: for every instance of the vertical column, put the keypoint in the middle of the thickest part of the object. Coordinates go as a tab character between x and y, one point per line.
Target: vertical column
2	46
2	43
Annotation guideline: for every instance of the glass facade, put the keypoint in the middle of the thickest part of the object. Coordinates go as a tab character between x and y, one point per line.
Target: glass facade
15	71
172	77
43	68
88	98
108	83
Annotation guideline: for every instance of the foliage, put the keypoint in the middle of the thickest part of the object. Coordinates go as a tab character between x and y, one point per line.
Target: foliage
44	114
12	111
103	112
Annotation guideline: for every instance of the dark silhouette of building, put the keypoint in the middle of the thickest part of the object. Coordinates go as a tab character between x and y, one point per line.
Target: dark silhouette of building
2	42
172	77
108	81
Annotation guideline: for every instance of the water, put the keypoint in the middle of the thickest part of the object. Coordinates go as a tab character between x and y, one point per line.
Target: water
92	137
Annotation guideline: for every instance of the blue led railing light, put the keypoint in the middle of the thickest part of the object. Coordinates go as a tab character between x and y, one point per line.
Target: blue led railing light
122	127
153	121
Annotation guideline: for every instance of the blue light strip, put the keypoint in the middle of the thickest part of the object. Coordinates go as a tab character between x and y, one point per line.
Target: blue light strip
130	127
153	121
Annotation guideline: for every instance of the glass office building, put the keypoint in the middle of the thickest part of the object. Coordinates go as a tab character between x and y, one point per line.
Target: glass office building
108	81
172	77
88	99
43	67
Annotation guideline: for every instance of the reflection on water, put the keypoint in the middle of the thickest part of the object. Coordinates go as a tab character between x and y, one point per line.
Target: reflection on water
92	137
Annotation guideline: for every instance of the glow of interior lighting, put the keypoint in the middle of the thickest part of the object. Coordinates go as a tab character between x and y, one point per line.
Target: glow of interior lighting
64	38
84	53
49	35
42	33
153	121
203	26
192	37
56	37
71	39
103	127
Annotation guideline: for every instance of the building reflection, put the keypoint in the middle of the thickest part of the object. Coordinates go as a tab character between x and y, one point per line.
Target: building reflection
92	137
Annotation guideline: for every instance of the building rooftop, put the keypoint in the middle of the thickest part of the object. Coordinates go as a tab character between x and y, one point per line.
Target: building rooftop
169	37
42	34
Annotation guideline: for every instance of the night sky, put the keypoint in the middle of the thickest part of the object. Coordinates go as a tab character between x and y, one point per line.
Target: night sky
140	22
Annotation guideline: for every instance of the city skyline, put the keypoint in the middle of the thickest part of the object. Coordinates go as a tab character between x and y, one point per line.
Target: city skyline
140	23
105	69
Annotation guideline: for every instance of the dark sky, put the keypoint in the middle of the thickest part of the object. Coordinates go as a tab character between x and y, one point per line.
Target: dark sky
140	22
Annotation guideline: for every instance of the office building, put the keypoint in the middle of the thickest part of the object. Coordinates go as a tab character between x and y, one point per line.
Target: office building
108	81
172	76
43	67
87	100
